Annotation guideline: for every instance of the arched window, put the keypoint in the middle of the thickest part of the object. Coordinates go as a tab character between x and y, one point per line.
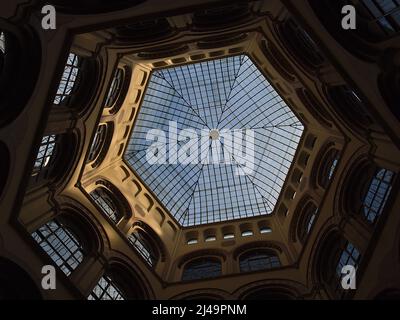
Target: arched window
202	268
310	219
119	282
377	194
98	142
2	50
54	158
306	220
380	17
304	47
314	107
2	43
221	16
258	260
45	155
61	244
106	289
328	167
143	246
69	81
350	106
104	199
349	255
115	88
145	30
333	253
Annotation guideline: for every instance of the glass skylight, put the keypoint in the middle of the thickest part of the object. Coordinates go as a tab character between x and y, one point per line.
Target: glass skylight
229	141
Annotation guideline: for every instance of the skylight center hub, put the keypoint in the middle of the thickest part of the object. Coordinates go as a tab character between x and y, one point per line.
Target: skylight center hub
214	134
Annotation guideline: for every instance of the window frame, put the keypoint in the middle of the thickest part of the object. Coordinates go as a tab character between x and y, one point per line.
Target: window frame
144	247
45	156
249	260
69	82
109	283
372	196
381	18
206	272
98	142
3	46
115	88
101	196
44	239
345	255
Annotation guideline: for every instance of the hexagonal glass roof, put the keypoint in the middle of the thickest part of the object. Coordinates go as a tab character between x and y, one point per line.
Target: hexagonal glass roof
213	141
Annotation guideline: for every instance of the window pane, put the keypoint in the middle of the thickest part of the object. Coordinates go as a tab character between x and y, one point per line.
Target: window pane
2	42
349	256
106	290
384	13
258	260
67	83
201	269
332	168
142	247
45	154
115	88
106	204
377	195
61	245
311	219
97	142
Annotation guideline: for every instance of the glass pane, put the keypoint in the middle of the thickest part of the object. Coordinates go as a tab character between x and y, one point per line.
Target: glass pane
2	42
45	154
68	79
115	88
214	98
201	269
142	247
258	261
106	204
60	244
376	197
106	290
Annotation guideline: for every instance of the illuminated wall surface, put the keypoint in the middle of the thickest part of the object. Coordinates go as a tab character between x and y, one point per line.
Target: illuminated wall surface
210	97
